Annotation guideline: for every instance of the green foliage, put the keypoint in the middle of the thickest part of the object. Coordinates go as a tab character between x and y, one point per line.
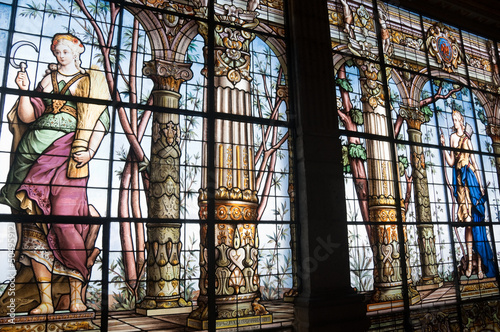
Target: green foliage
402	164
190	270
425	94
122	156
189	185
275	268
357	151
361	262
401	147
128	38
482	116
356	116
125	299
346	166
34	10
344	84
426	110
454	105
281	211
94	294
192	53
394	97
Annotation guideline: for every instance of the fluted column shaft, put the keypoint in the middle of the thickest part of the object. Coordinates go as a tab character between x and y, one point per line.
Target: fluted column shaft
383	190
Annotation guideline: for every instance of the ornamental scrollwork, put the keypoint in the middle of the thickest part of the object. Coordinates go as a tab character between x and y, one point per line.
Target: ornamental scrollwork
444	47
167	75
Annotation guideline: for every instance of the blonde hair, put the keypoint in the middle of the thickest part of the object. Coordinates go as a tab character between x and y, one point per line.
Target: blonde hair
73	43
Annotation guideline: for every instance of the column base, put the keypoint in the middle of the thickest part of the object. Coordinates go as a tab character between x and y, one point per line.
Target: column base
384	299
231	322
427	284
58	321
474	288
290	296
158	306
164	311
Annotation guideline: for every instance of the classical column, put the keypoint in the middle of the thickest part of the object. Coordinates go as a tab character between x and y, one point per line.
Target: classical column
426	239
236	240
388	273
163	238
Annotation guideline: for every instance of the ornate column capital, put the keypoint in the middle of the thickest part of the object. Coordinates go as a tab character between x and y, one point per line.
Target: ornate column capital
414	116
232	44
167	75
371	84
494	132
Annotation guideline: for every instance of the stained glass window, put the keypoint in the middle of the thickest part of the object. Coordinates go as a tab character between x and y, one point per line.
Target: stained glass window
147	174
417	106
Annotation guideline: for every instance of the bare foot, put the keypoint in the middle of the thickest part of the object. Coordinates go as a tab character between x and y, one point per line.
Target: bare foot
43	309
468	272
77	306
480	275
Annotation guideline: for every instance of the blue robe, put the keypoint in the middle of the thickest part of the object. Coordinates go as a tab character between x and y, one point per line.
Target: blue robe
480	240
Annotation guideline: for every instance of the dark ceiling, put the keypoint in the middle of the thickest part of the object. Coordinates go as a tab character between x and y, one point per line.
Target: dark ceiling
478	16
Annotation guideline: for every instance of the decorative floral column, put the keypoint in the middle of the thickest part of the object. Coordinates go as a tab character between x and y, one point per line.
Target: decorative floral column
426	239
236	239
388	274
163	239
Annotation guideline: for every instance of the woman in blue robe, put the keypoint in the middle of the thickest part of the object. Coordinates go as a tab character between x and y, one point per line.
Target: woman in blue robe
470	197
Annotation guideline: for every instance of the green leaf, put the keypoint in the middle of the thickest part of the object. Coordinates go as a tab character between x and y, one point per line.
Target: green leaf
357	151
403	164
356	116
482	117
344	84
345	160
427	111
144	165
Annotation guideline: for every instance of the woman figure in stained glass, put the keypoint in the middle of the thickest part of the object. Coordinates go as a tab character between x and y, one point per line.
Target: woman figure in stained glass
470	197
49	176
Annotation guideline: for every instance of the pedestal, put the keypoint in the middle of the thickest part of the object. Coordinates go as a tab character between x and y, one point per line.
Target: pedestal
58	321
474	288
231	322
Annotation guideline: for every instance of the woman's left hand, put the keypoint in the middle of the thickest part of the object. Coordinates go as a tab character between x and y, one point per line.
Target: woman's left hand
82	158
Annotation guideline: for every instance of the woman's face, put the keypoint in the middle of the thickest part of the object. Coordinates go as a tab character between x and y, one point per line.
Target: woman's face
457	122
64	54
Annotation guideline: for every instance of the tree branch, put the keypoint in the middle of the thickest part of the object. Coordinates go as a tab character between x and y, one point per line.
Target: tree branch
357	165
438	96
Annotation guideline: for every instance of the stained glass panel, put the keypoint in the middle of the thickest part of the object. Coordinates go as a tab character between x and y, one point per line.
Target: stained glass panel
150	183
418	138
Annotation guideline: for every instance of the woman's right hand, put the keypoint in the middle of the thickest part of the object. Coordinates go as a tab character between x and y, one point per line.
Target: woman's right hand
442	140
22	80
